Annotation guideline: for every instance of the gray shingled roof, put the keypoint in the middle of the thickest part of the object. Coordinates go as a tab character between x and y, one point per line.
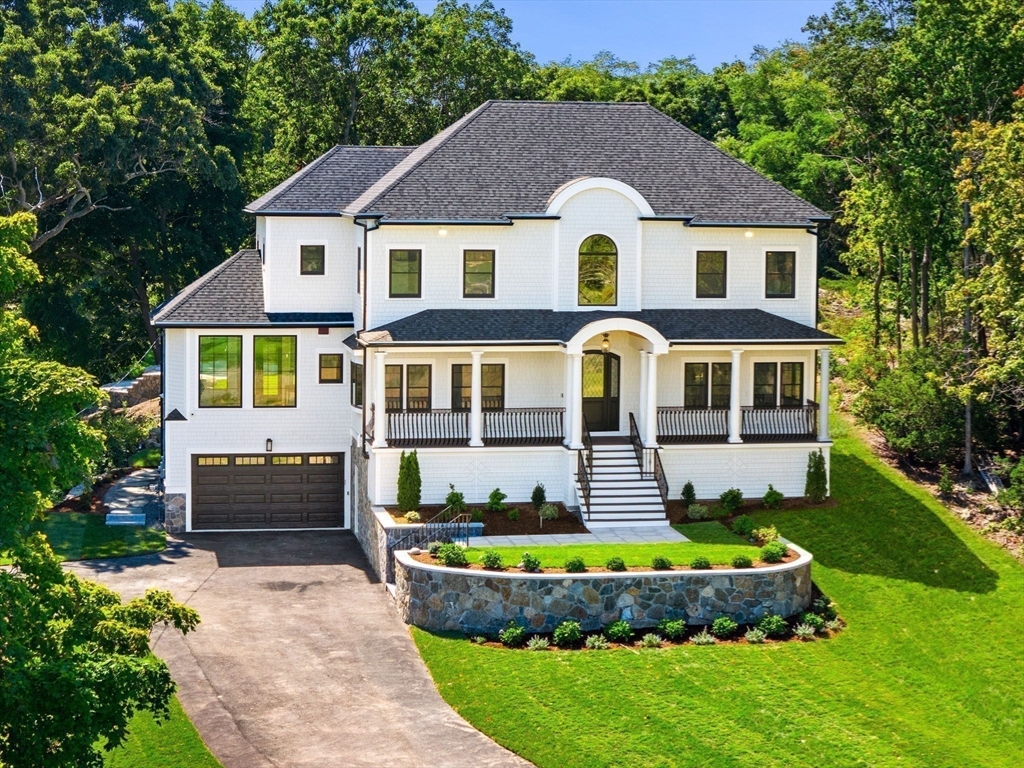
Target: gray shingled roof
679	326
331	182
232	295
511	156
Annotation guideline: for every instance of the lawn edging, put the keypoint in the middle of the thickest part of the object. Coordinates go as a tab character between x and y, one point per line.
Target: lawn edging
440	598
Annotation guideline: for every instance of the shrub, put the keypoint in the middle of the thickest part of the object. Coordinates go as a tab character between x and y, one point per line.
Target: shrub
825	608
673	629
616	564
724	627
455	501
478	639
477	515
813	620
568	634
597	643
661	563
945	482
717	513
765	535
529	563
743	526
434	546
816	486
700	563
496	501
412	517
575	565
755	636
452	556
731	500
741	561
833	625
122	437
539	496
772	499
704	638
547	512
492	560
408	482
689	496
773	552
619	631
804	631
537	643
513	635
651	640
772	625
513	514
698	512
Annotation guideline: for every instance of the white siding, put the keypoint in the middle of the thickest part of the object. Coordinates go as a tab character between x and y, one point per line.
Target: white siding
716	468
284	289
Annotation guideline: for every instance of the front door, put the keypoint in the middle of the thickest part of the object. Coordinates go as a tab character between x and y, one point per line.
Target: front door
601	391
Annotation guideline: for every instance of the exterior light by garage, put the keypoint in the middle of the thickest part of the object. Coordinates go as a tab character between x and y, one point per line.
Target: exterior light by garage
270	444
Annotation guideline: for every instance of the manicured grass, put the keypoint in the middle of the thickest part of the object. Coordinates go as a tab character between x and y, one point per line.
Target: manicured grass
711	540
928	672
147	457
79	536
173	743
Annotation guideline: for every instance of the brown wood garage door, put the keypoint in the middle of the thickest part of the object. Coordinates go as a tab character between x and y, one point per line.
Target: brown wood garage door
301	490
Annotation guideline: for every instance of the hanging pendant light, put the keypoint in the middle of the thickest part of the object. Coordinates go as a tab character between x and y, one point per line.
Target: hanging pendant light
605	344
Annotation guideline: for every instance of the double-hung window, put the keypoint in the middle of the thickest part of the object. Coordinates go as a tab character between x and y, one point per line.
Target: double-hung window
331	369
711	266
220	371
695	385
273	375
357	384
780	275
492	386
393	387
792	377
407	387
312	259
778	384
721	385
765	390
404	274
478	274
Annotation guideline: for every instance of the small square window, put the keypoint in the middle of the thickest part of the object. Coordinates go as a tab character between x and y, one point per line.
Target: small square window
311	259
324	460
331	369
250	461
290	460
212	461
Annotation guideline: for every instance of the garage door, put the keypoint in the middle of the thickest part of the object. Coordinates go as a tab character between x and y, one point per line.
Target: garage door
301	490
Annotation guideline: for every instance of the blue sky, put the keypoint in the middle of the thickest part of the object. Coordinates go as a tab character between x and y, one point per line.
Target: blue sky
713	31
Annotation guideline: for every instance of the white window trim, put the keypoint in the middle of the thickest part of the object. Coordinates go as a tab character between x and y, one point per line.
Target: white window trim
764	273
708	361
388	248
728	272
618	283
298	256
298	367
462	273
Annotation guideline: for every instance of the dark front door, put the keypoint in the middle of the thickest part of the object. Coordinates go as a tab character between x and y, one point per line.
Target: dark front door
601	391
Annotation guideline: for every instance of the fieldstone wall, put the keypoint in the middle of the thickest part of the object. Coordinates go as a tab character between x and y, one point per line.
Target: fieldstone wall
437	598
174	512
369	533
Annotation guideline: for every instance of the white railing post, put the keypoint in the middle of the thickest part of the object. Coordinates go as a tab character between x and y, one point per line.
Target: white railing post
735	424
642	407
380	415
575	403
823	397
651	402
476	402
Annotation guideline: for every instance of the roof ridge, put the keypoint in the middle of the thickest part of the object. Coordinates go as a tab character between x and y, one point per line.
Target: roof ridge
189	291
358	206
269	197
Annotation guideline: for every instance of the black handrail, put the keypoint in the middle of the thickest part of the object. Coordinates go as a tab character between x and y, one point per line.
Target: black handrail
588	445
583	475
659	477
636	442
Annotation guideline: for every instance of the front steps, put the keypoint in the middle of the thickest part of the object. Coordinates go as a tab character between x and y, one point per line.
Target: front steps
619	496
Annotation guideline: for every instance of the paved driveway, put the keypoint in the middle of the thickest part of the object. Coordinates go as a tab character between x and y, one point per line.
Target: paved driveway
301	659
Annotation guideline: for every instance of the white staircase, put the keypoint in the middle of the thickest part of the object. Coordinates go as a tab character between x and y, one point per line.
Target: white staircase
619	495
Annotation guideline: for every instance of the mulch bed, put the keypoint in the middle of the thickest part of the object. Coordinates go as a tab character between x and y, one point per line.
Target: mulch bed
91	502
498	524
677	512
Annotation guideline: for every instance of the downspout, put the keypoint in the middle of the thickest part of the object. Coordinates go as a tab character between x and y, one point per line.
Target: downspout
365	290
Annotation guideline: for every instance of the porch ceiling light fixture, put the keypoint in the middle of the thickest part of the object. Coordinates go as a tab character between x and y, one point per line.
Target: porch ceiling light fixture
605	344
748	233
442	232
270	444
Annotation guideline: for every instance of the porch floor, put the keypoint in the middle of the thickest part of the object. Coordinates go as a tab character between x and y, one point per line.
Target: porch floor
652	535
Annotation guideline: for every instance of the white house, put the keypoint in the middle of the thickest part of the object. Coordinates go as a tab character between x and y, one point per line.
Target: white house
581	294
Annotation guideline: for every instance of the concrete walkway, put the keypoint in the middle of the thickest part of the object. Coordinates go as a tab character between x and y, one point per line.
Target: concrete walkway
135	499
641	535
301	659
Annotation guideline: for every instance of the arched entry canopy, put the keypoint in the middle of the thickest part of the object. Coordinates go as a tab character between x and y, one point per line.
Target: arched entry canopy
659	344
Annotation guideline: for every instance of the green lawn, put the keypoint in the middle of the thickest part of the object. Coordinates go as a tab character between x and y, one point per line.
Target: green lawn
171	744
929	672
79	536
711	540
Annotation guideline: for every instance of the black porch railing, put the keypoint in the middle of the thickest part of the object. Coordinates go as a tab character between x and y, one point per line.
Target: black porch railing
446	428
524	426
711	425
427	429
693	425
585	462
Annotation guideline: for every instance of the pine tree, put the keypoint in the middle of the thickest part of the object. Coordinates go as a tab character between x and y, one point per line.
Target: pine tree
816	487
408	482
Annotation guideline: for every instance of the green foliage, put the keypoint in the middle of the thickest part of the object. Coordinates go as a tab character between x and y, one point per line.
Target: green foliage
408	482
122	437
492	561
700	563
575	565
455	501
615	564
597	643
698	512
723	627
688	495
513	514
765	535
147	457
496	501
673	629
741	561
804	631
476	516
512	636
452	556
538	643
743	526
539	497
703	638
529	563
434	547
755	636
813	620
772	625
731	500
412	517
773	552
661	563
547	512
568	634
825	608
74	651
772	499
619	631
1013	495
946	486
651	640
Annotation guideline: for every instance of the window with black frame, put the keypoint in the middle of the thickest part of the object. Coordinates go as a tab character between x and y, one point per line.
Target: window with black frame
331	369
492	386
765	391
404	274
220	371
792	375
598	272
274	371
312	259
721	385
780	275
711	266
357	384
695	385
393	387
417	387
478	274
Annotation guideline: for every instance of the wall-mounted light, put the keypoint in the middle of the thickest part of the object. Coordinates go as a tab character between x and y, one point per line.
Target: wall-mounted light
270	444
442	232
605	344
748	233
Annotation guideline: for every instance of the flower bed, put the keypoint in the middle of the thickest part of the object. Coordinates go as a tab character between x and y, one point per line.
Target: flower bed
499	523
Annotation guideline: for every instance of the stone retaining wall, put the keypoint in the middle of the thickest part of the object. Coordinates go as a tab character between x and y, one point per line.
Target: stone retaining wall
438	598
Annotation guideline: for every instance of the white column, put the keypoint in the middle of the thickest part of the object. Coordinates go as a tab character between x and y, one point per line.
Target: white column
642	407
476	403
823	397
567	401
734	398
651	402
380	416
575	401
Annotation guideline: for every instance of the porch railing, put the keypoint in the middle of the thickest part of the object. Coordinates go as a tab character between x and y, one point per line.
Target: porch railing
446	428
659	477
524	426
693	425
585	462
644	456
711	425
429	429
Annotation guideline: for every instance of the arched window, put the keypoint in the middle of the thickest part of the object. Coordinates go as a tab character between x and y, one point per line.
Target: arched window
599	265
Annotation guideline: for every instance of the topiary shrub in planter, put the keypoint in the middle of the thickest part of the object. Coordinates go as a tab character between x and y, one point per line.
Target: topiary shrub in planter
619	631
434	546
529	563
689	496
492	561
743	526
513	635
772	499
742	561
496	501
698	512
615	564
455	501
816	485
575	565
547	512
772	625
773	552
408	482
673	629
700	563
724	627
568	634
539	496
661	563
731	500
452	556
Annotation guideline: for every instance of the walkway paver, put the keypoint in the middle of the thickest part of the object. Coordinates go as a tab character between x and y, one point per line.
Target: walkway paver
639	535
301	659
135	499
